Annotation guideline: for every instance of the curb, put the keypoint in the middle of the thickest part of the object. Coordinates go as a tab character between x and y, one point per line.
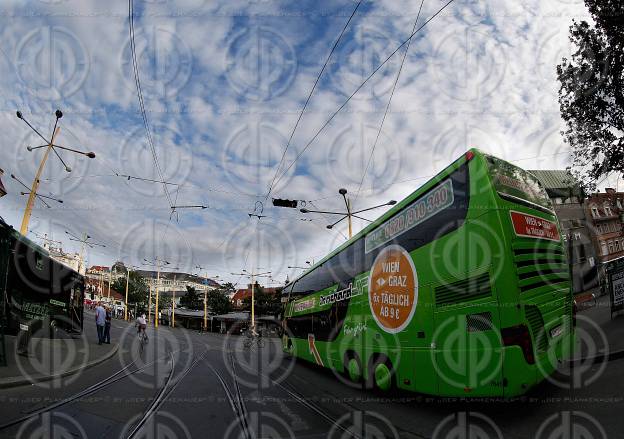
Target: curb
6	383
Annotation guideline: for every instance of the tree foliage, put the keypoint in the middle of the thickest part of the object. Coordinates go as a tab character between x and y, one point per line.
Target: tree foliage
265	303
191	299
138	290
219	299
591	94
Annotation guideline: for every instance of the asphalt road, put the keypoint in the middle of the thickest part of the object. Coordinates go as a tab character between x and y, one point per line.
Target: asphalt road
187	384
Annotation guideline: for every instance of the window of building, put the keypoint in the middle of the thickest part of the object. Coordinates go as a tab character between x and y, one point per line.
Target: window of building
610	244
617	246
577	235
594	211
619	203
603	247
607	209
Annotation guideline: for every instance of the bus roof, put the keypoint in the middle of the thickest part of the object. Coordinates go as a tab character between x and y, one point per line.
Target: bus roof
396	208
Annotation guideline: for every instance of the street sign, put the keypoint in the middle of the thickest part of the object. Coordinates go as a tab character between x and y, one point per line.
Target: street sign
615	283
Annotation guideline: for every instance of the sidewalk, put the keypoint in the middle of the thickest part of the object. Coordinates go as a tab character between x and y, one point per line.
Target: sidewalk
53	359
595	329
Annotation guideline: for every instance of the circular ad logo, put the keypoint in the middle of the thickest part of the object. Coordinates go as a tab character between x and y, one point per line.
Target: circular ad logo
393	289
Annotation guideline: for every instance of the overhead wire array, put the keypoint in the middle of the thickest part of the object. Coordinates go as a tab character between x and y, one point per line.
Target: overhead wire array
137	80
359	87
383	119
305	105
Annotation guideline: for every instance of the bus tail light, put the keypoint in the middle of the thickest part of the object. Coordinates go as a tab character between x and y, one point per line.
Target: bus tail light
469	155
519	336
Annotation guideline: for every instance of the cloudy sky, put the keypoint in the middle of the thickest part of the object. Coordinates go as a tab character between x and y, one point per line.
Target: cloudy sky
223	84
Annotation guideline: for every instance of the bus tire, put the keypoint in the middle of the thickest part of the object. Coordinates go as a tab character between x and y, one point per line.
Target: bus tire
353	367
381	373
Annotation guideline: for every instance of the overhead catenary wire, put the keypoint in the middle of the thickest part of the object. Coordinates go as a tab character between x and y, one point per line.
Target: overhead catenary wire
305	105
328	121
137	81
383	119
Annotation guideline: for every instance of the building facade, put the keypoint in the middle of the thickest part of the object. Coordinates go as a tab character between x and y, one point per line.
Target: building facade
570	208
606	213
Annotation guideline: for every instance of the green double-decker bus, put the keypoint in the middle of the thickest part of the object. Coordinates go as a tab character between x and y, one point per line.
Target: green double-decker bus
461	289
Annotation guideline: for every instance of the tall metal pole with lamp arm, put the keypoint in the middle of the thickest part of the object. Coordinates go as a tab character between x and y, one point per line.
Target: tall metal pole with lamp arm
49	146
349	213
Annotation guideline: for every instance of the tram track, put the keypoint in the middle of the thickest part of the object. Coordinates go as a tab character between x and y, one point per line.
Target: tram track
164	392
117	376
235	398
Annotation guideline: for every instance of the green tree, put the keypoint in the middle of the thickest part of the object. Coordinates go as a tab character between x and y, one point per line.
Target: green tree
591	95
191	299
138	290
266	303
219	301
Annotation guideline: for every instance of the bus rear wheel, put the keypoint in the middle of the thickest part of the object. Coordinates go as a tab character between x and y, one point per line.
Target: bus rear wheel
353	368
381	374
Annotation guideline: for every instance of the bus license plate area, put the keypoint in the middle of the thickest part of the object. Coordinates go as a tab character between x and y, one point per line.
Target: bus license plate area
556	331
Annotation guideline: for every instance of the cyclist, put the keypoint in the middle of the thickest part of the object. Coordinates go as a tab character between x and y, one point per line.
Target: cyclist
141	324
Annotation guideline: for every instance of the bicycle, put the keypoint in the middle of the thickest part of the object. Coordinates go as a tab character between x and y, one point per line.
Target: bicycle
142	341
251	338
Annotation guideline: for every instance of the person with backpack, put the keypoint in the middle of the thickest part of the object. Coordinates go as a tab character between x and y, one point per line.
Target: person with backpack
107	325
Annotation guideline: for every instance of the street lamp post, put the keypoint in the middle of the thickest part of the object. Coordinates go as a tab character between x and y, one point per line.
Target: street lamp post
349	213
253	275
199	267
49	146
158	263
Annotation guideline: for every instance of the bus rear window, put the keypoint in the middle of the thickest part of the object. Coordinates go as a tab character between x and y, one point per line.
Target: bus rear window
517	185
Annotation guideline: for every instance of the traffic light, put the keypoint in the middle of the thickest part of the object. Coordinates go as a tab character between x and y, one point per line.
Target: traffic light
278	202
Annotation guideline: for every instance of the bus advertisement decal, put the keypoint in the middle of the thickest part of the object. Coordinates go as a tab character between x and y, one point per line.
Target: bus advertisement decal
393	289
314	351
531	226
436	200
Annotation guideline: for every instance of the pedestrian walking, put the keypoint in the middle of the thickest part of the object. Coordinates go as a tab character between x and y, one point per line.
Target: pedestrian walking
100	321
107	325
